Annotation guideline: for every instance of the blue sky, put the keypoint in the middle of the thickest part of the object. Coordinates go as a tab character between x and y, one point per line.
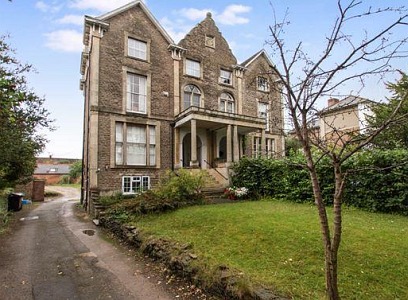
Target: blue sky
48	35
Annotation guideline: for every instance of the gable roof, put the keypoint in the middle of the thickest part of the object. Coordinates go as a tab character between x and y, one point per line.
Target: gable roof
254	57
211	27
103	18
348	102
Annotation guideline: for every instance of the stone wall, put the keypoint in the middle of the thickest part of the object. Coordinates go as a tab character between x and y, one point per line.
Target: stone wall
113	67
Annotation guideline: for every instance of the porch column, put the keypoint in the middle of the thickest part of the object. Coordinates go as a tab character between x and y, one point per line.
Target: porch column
193	162
235	143
176	147
229	148
263	143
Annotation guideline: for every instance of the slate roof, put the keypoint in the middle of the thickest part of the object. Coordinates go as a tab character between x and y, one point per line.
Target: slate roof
347	102
59	169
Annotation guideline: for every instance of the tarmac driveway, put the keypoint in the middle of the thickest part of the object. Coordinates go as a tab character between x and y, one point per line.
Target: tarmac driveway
51	254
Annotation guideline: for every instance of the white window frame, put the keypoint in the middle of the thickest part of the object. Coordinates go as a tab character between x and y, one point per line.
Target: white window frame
263	112
226	101
130	184
262	84
137	48
123	144
192	90
270	147
225	77
193	68
136	91
257	147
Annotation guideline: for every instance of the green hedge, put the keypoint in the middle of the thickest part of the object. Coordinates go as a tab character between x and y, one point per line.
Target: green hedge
378	180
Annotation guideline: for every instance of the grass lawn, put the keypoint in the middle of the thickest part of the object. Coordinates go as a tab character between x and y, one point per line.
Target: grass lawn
278	244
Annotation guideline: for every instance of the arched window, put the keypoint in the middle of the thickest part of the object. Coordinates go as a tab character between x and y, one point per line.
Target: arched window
192	96
227	103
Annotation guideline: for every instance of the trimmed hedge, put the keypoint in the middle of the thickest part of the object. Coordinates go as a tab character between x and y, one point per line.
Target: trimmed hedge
378	180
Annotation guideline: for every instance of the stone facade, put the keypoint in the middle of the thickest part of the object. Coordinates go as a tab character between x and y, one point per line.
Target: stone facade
196	107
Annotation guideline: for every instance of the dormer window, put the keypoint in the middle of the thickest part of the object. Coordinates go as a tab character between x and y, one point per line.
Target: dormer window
262	84
193	68
225	77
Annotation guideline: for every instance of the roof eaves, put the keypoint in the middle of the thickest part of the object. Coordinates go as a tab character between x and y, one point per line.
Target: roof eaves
146	10
254	57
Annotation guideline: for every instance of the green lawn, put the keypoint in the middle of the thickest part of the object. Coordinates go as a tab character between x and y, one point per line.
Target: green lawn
278	244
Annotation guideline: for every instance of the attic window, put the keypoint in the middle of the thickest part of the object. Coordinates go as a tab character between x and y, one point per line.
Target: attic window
262	84
210	41
137	49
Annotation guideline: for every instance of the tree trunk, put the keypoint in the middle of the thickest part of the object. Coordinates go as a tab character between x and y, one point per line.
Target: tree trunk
330	249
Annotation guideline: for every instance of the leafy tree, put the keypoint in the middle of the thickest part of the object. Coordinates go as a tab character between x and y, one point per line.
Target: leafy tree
305	78
21	116
396	134
75	170
292	145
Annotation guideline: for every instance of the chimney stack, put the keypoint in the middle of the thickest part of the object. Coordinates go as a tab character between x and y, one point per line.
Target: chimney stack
332	101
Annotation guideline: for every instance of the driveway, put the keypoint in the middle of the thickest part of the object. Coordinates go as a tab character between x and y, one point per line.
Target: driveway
51	254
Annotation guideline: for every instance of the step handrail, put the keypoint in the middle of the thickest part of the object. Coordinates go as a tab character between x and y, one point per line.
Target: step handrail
215	170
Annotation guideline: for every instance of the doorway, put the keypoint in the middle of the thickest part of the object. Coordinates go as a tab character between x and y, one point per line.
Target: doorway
187	150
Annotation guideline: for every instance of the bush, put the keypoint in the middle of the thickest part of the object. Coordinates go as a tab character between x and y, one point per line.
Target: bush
182	186
66	179
4	214
75	170
174	191
378	180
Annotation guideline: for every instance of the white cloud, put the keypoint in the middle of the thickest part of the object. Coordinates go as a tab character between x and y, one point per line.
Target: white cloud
99	5
72	19
230	15
194	14
177	29
64	40
46	8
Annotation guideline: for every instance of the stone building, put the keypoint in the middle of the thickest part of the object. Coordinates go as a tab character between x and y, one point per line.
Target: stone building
153	105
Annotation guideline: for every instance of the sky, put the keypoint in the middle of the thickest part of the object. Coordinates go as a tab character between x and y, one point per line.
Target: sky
48	35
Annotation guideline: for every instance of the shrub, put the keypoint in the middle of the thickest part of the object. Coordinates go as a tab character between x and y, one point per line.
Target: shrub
175	190
378	179
66	179
4	214
75	170
182	186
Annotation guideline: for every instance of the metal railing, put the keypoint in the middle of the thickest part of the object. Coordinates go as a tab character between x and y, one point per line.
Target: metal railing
214	168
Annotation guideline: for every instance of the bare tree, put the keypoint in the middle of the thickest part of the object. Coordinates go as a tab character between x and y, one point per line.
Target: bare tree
305	81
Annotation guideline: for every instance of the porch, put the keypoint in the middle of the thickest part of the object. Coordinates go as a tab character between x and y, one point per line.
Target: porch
208	139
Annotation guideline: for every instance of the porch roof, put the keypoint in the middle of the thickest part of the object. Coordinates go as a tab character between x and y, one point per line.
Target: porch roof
213	119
